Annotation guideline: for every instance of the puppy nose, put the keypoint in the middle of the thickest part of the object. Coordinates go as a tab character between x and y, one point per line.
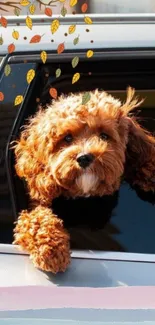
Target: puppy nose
85	160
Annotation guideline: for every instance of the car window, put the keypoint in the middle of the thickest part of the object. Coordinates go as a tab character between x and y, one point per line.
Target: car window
123	222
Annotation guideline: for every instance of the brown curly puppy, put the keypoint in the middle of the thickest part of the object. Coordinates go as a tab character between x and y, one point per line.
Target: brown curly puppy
77	150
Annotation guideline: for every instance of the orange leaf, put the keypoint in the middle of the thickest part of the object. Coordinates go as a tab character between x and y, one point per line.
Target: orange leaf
11	48
60	48
53	92
35	39
1	96
3	21
84	7
48	12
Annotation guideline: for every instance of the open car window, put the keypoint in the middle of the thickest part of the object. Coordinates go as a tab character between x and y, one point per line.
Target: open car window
123	222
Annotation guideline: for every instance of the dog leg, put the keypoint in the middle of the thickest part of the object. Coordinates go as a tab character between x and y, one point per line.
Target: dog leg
42	235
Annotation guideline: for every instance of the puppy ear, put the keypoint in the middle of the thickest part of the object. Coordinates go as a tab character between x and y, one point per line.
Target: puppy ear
32	154
131	103
140	152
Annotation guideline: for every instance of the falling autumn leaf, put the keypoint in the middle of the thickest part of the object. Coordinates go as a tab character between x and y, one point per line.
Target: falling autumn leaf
76	77
30	75
48	12
18	100
76	40
85	98
88	20
1	40
89	53
15	34
75	61
60	48
32	9
84	7
7	70
55	25
1	96
29	23
58	73
11	48
3	21
71	29
63	11
17	11
72	3
24	3
53	92
35	39
43	56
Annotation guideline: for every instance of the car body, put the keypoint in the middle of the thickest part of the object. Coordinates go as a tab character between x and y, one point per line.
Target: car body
120	277
98	288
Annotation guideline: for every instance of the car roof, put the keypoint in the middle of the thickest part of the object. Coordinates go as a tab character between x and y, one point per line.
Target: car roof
106	32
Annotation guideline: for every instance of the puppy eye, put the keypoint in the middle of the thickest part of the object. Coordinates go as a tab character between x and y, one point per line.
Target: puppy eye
104	136
68	138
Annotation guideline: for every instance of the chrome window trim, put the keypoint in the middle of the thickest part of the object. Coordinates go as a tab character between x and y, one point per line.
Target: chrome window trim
90	255
2	58
99	54
79	18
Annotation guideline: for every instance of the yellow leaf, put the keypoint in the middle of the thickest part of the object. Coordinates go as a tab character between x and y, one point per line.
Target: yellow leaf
1	40
62	0
73	3
89	53
43	56
15	34
30	75
7	70
24	3
32	9
18	100
88	20
29	23
76	77
55	25
71	29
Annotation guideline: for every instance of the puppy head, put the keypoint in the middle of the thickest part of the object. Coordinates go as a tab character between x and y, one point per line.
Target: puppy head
76	149
88	152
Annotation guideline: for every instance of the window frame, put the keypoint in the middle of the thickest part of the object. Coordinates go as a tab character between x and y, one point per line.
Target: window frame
90	254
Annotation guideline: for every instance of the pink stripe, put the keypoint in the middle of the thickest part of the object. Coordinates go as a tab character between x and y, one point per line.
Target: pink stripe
35	297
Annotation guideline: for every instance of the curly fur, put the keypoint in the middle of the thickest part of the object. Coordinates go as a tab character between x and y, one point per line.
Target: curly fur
49	165
42	235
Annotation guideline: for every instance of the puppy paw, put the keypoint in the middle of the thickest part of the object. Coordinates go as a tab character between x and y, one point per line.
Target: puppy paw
42	235
50	260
